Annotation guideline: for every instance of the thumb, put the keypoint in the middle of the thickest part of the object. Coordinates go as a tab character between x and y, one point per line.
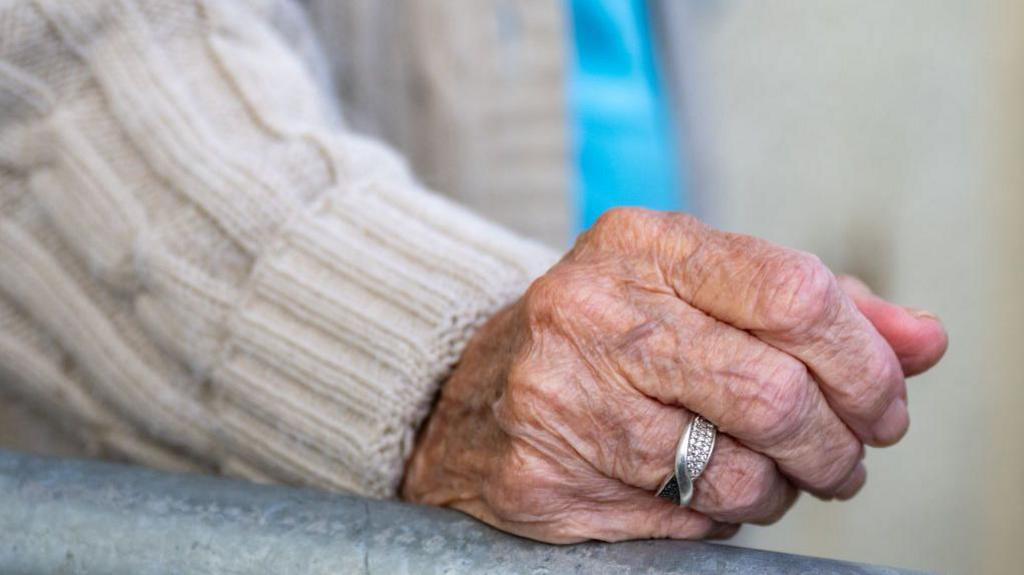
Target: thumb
917	336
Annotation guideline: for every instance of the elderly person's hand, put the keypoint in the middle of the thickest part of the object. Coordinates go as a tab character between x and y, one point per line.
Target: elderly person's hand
563	415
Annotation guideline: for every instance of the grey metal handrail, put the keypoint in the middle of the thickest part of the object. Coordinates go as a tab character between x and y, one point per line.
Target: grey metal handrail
72	516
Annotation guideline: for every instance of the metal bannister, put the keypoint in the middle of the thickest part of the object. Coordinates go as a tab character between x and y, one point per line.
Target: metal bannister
71	516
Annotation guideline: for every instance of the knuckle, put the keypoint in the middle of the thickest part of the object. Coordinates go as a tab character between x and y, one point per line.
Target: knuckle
543	294
884	367
578	301
867	400
841	460
778	407
622	227
520	489
674	225
871	388
618	219
527	398
686	220
562	293
747	486
881	383
799	292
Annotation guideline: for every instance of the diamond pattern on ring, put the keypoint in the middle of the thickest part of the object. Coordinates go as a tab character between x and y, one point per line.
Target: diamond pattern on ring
699	446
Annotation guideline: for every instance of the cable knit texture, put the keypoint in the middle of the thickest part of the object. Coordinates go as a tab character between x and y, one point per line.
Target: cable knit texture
200	270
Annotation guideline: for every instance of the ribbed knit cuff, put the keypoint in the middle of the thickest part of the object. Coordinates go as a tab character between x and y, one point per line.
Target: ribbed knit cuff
352	318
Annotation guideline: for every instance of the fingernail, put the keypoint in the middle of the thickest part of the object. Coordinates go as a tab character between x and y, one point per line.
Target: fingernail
853	483
893	424
923	314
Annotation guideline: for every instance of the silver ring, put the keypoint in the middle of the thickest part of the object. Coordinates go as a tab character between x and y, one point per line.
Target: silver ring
692	456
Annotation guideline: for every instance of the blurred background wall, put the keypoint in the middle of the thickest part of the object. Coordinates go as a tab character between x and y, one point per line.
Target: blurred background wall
886	136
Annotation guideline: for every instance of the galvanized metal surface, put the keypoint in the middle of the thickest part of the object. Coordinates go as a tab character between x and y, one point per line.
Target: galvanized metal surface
69	516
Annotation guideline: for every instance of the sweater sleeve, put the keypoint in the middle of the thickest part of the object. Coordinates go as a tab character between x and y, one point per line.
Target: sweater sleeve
225	271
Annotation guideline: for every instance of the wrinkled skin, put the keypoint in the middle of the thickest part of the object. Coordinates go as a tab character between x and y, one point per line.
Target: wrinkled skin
562	417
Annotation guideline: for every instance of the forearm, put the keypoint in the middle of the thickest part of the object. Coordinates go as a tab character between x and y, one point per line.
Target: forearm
228	276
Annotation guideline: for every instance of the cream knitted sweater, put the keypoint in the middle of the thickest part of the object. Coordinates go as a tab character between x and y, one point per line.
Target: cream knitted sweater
198	269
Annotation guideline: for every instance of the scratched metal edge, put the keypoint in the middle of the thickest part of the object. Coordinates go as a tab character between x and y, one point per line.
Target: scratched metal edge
90	517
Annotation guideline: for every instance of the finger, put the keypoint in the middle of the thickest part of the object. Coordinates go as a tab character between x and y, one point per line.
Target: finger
742	486
754	393
607	510
790	300
854	483
738	485
632	513
918	337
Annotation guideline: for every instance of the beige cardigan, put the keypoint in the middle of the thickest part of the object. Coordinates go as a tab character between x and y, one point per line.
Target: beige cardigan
201	267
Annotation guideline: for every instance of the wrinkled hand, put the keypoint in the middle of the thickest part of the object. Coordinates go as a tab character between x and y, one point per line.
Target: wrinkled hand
562	417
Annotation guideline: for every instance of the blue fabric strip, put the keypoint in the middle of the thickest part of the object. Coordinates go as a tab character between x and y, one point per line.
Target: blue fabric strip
624	135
